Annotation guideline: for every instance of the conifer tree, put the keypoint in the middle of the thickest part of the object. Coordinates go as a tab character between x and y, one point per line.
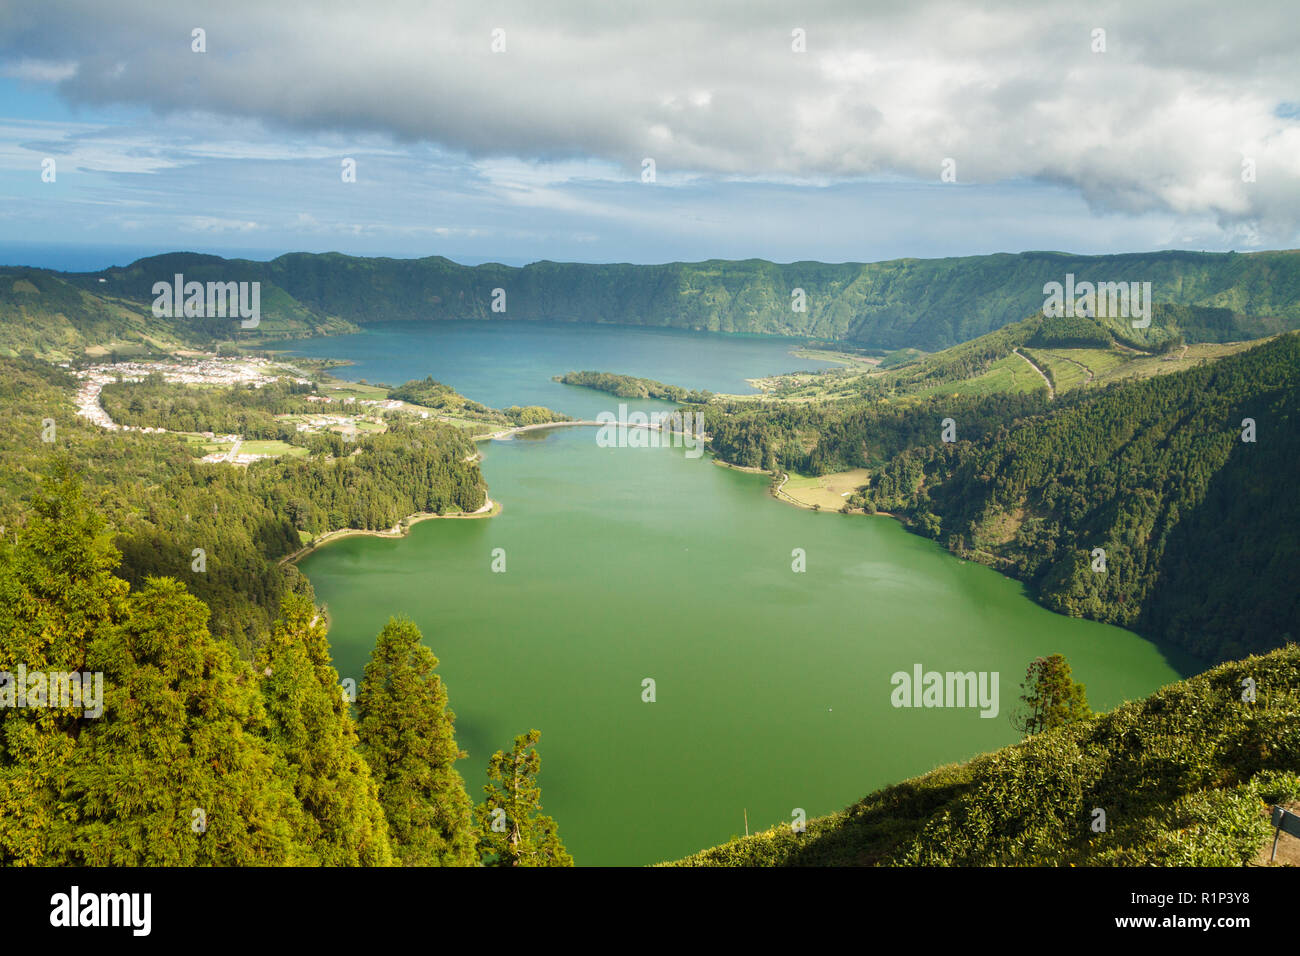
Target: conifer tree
1051	698
512	831
408	738
177	771
311	725
116	779
57	592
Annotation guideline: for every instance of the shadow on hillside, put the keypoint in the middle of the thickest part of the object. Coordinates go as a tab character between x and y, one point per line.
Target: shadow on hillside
1228	584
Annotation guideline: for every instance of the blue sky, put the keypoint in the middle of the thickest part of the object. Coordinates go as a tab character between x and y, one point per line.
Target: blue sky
833	152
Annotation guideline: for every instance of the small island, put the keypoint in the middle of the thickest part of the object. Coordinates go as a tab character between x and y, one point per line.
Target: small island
629	386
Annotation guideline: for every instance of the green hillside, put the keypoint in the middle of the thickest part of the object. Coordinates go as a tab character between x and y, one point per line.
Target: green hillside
63	317
1185	778
928	304
1196	525
162	502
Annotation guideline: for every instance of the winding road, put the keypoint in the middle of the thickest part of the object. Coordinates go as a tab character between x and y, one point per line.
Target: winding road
1051	392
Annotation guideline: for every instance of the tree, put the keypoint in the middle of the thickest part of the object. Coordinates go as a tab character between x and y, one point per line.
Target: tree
311	725
408	738
177	771
57	593
165	720
1051	698
512	831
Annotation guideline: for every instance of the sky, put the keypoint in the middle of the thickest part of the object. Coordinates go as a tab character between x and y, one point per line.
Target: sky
507	131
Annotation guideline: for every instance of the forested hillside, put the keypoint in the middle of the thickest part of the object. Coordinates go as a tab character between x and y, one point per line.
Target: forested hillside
1196	524
64	317
181	753
163	503
927	304
630	386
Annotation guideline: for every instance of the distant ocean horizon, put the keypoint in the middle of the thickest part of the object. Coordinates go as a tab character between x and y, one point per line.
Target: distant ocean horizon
88	257
74	257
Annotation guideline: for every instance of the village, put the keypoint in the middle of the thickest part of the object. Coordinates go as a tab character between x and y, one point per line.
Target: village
226	372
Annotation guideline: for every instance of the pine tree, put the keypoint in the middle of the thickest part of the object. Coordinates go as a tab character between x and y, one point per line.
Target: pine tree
312	727
57	592
177	771
180	727
1051	698
408	738
512	831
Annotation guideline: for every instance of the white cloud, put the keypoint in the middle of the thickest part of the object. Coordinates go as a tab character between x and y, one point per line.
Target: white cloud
1157	124
39	71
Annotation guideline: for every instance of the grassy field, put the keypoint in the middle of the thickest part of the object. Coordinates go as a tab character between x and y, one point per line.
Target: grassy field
1068	368
1142	366
276	448
201	444
342	390
1065	374
1009	374
828	491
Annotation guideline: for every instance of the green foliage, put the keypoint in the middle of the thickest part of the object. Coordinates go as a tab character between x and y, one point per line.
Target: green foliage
533	415
311	726
408	738
512	831
927	304
1185	778
824	437
434	395
1070	332
629	386
163	504
1051	698
183	730
1195	523
272	763
181	726
243	410
444	400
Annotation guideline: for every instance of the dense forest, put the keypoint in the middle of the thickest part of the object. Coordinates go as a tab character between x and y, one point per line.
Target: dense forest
629	386
1192	505
163	504
837	436
243	410
189	755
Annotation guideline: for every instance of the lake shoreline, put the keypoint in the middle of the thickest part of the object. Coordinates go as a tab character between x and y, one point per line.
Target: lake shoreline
775	491
490	510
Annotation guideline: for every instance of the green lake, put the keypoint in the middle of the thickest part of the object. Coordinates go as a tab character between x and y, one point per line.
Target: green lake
773	687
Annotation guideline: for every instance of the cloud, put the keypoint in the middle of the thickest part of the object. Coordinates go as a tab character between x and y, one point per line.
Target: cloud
217	224
39	71
1161	121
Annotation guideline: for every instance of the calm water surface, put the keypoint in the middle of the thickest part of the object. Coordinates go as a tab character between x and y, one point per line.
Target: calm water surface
773	687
